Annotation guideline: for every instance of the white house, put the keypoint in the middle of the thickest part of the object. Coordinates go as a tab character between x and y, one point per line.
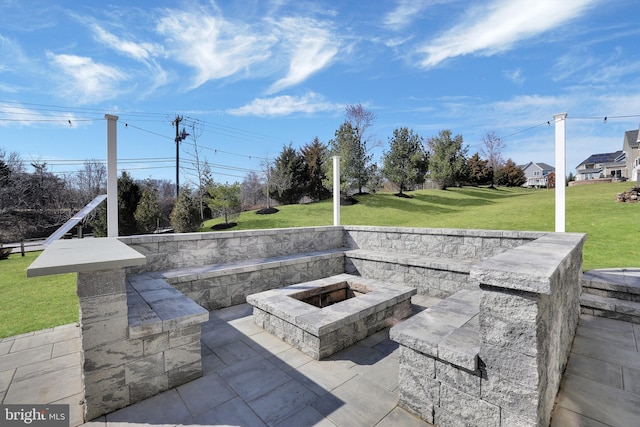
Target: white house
536	174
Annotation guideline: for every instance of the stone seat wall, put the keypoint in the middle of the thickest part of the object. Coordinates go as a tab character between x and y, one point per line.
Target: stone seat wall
436	262
494	355
222	285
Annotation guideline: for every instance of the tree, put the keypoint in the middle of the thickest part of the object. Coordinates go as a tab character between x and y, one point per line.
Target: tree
480	173
510	175
406	162
147	214
185	216
91	180
252	191
200	172
350	143
128	199
315	154
290	177
492	152
225	201
447	162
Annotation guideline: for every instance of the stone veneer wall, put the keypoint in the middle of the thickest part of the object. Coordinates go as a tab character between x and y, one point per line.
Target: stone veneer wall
435	261
171	251
119	370
436	242
528	312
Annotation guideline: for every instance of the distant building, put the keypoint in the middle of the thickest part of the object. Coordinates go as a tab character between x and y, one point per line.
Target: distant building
631	148
603	165
537	174
619	165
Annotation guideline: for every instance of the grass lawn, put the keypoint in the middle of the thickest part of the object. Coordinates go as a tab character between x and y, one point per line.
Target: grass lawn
613	236
32	304
613	228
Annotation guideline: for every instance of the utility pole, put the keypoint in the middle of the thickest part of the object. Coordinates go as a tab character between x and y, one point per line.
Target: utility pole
179	137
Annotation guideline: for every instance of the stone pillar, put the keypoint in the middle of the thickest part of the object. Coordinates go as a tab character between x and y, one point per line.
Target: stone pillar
529	311
103	319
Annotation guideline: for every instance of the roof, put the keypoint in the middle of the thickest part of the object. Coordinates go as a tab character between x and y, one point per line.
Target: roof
543	166
631	136
601	158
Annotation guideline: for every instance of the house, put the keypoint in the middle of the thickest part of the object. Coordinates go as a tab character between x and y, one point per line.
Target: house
603	165
536	174
631	149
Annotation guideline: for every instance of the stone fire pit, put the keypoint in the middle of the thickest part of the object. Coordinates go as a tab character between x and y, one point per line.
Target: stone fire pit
324	316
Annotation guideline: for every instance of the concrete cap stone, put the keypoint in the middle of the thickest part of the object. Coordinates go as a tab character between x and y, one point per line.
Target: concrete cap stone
79	255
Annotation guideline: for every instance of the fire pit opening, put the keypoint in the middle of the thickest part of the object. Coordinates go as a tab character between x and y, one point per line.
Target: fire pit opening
327	295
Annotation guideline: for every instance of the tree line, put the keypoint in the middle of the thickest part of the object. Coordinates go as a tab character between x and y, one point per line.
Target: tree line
35	204
408	162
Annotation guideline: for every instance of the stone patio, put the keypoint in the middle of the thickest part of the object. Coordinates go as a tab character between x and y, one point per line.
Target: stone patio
252	378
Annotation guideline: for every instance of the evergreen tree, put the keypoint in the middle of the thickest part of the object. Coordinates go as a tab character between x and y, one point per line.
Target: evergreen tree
185	216
406	162
480	173
290	177
447	163
315	155
147	213
510	175
128	199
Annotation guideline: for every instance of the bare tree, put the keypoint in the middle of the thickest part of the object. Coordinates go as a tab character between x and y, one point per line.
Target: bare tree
361	120
252	191
199	171
492	152
91	180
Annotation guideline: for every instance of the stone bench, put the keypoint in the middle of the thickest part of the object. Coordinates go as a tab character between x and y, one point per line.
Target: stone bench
154	307
222	285
430	275
448	330
139	338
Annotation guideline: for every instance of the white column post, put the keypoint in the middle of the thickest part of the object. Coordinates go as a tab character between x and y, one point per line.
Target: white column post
112	176
336	190
561	166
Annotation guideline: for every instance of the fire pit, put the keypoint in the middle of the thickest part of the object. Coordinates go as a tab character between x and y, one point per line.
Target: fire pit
326	315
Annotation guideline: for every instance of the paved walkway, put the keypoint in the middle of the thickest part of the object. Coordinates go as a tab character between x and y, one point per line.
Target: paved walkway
254	379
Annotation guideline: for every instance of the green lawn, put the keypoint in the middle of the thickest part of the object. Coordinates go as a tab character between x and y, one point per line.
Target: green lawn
32	304
613	236
613	228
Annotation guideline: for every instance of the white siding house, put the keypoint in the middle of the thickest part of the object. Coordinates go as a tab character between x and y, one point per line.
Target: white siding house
536	174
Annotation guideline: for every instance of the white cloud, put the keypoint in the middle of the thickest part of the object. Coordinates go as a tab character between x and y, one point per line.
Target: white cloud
144	53
285	105
14	113
515	75
405	12
86	80
487	30
138	51
10	54
214	47
313	48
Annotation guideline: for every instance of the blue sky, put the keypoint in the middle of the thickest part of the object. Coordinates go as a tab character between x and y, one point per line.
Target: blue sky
256	75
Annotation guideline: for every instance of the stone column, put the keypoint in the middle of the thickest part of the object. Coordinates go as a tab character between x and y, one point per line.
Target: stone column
529	311
103	319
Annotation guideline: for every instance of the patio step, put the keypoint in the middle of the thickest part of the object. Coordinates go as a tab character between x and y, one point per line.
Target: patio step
612	293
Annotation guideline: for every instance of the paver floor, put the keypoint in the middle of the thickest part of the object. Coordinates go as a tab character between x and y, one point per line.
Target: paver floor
254	379
601	385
